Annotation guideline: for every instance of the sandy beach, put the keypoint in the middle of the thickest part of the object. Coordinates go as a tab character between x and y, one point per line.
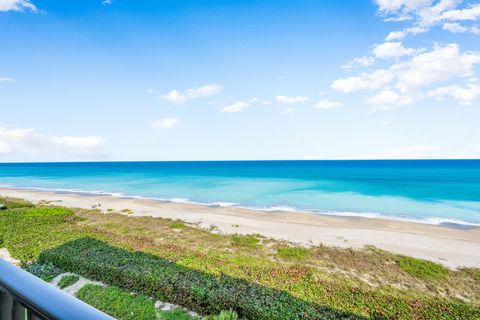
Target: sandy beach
452	247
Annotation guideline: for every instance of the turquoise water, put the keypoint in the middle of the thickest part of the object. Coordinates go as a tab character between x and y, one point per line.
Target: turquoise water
432	191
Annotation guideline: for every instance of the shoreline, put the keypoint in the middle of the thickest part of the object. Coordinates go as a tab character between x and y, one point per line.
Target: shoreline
437	221
451	246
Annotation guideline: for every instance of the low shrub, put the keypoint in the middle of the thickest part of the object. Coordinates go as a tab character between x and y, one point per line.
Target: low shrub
177	225
45	271
13	203
293	253
247	241
422	269
195	290
224	315
68	280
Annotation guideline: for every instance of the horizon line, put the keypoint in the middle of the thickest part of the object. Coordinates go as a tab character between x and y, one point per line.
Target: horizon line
240	160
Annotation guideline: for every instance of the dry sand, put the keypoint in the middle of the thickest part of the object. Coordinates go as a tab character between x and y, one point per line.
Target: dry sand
452	247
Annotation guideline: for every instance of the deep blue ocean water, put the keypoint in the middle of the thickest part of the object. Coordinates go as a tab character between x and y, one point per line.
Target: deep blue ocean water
431	191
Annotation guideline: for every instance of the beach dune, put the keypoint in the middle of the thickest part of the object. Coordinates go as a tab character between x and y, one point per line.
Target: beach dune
449	245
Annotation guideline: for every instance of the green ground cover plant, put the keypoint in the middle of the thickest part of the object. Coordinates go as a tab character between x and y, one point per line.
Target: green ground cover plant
177	225
176	314
10	203
209	294
68	280
293	253
124	305
422	269
118	303
167	281
245	241
204	268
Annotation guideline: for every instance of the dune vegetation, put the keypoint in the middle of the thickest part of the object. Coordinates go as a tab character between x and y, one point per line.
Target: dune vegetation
214	274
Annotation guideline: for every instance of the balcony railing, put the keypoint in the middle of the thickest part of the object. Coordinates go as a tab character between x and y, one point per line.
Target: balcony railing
26	297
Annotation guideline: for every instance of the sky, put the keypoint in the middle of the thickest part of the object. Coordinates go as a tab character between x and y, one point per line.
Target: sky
119	80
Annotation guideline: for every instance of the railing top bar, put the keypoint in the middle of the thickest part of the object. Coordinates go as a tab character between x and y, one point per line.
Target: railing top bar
44	298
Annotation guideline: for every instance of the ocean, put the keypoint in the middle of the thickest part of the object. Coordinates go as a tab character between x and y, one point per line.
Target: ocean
429	191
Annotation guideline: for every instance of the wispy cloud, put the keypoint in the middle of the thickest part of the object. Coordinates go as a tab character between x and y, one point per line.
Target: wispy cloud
239	106
464	95
388	99
364	61
176	96
17	5
235	107
166	123
327	104
291	99
6	79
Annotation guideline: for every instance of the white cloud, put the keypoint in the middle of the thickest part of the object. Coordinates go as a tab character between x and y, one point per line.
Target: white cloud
442	63
390	50
457	28
6	79
239	106
17	5
166	123
28	141
291	99
401	6
364	61
395	35
464	96
472	13
387	99
424	68
454	27
235	107
203	91
425	14
327	104
174	96
107	2
150	90
370	81
192	93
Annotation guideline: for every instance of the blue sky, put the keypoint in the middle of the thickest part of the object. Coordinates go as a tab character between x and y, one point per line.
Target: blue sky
202	80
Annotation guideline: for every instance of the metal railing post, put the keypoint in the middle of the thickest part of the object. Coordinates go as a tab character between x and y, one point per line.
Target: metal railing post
26	297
